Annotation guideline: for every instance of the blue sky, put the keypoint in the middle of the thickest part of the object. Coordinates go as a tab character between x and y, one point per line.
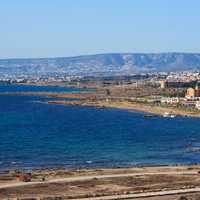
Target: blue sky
49	28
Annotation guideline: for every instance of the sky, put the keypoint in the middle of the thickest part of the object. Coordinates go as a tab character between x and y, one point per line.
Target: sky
57	28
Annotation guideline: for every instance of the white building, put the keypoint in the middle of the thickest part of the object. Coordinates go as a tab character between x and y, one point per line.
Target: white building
197	105
170	100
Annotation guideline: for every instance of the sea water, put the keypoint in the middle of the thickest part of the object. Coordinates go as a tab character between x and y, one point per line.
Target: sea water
37	135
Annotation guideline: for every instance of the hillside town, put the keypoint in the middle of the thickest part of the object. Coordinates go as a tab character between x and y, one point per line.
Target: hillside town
169	77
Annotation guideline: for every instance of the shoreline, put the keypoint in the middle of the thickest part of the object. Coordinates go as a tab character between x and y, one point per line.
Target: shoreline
92	99
99	100
101	182
154	110
93	168
87	99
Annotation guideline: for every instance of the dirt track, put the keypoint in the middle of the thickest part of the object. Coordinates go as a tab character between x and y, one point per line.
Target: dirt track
109	184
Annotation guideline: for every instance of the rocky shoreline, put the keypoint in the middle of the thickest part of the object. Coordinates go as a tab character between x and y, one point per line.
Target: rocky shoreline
101	101
92	183
154	110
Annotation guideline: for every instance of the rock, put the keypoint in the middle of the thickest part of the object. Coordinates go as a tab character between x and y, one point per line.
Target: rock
183	198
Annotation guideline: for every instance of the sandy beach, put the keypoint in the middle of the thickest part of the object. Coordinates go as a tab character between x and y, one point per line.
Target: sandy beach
117	98
156	110
93	99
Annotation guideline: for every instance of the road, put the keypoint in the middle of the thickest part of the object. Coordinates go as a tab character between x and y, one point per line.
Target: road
86	178
144	195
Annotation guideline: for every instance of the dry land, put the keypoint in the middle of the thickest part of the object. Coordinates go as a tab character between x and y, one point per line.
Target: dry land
100	100
95	184
157	110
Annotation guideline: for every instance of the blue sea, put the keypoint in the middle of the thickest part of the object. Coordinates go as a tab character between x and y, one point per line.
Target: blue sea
36	135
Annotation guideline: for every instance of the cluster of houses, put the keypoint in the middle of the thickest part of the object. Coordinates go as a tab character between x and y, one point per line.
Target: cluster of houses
191	99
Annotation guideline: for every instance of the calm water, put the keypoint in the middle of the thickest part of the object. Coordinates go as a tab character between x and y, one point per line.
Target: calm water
36	135
25	88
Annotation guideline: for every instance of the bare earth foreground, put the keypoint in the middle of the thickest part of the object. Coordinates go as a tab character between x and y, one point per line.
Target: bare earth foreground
159	183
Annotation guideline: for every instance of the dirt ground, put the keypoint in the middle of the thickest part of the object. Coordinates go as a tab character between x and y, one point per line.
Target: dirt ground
195	196
172	178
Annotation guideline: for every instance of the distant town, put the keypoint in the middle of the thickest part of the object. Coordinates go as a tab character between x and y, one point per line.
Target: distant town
180	90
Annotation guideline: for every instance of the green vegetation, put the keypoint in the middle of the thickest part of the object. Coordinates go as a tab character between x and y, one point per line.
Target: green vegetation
180	107
176	94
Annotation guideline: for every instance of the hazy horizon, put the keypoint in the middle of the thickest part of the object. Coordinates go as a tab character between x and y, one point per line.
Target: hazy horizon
95	54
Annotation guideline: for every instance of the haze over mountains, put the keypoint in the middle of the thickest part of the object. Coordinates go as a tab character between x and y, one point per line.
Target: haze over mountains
103	64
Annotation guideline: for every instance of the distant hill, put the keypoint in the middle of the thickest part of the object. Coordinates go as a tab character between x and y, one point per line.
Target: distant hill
103	64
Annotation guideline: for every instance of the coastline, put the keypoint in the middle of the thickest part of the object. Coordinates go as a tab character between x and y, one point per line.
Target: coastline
154	110
95	100
102	183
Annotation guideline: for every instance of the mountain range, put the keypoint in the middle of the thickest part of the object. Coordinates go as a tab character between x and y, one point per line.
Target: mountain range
103	64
